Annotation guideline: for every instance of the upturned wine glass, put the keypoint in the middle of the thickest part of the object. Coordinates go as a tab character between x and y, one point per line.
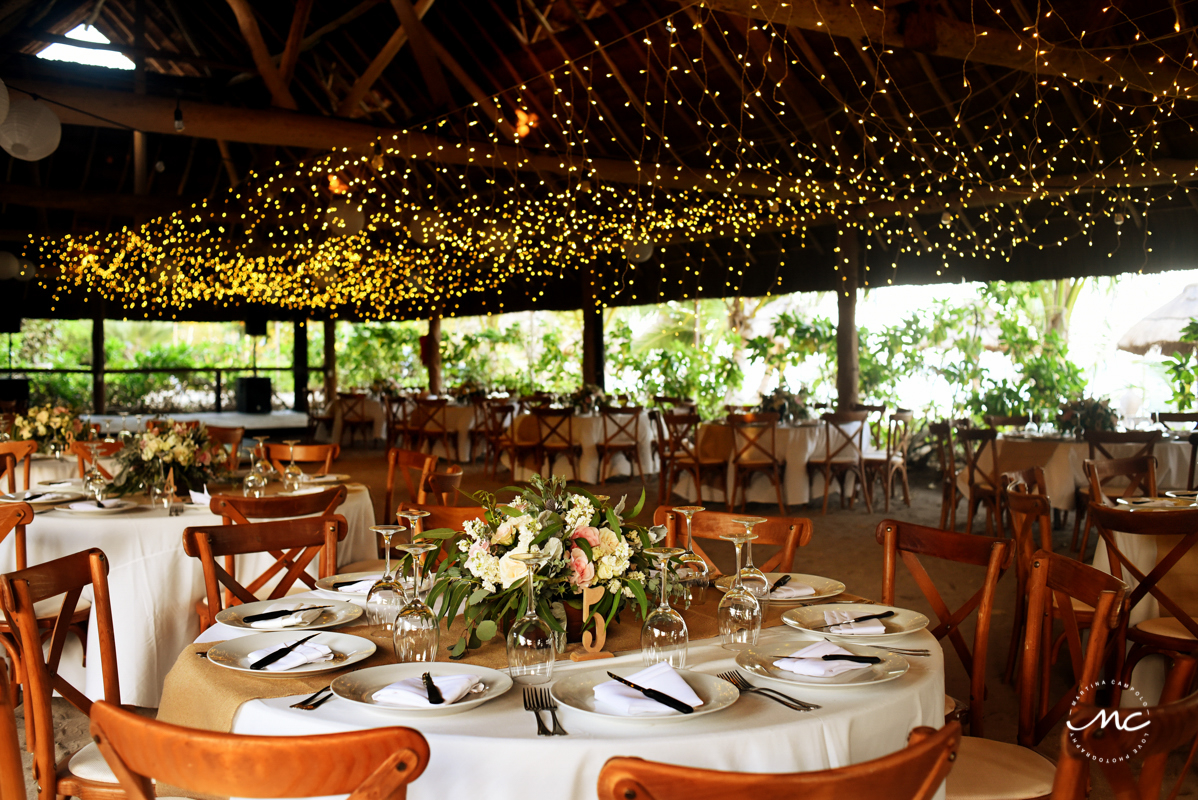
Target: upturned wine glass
416	635
94	482
693	571
411	515
125	434
752	578
386	597
664	636
739	612
293	476
530	647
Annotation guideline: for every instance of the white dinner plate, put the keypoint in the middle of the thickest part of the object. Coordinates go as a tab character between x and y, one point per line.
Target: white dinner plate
359	686
1189	494
347	650
88	508
60	485
338	613
46	499
824	587
903	622
760	660
330	478
327	583
576	692
1156	502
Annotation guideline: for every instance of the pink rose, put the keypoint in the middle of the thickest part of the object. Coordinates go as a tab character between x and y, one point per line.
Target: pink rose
588	533
584	570
477	547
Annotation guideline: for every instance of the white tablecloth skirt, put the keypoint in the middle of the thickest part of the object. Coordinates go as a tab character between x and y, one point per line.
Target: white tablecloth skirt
588	432
459	419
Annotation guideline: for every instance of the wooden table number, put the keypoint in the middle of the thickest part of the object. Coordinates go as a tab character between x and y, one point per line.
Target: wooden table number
592	646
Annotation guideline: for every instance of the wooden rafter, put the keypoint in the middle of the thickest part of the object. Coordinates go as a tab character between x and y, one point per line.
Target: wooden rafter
422	48
127	50
291	50
350	105
248	23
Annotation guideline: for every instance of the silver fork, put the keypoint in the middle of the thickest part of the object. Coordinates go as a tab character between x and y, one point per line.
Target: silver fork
743	685
310	702
530	704
545	702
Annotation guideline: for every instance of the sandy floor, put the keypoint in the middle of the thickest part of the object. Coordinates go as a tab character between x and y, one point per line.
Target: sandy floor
843	546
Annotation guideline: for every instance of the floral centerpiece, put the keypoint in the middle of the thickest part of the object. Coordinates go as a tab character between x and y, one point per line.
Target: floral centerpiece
468	391
384	387
46	424
587	398
1087	414
150	456
788	406
589	543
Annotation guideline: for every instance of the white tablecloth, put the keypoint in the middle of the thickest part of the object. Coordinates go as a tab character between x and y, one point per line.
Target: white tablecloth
494	752
153	584
588	432
458	418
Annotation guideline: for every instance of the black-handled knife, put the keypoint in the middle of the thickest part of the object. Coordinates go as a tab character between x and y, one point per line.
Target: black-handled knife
282	612
351	583
778	584
854	659
653	694
866	618
267	660
434	694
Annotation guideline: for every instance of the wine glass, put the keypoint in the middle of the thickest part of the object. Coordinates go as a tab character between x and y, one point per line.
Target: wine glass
56	448
94	482
411	515
293	476
125	434
386	597
664	636
416	634
136	426
752	578
108	437
693	571
263	464
530	648
739	612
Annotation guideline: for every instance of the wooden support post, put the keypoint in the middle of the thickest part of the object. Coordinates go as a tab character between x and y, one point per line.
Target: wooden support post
330	360
847	277
141	172
431	355
299	365
98	399
592	344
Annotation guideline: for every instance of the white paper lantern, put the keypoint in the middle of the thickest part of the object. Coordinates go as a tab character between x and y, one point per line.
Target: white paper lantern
25	269
343	219
3	102
10	266
638	252
30	131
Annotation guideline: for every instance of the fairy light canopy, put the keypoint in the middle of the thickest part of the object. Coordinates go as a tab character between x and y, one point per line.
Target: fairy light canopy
405	159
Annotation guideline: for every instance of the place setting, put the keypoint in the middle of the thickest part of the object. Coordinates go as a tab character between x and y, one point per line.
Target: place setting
281	654
43	499
299	615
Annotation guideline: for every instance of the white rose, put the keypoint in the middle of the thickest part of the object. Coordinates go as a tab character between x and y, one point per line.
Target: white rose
504	533
554	548
510	570
608	540
43	416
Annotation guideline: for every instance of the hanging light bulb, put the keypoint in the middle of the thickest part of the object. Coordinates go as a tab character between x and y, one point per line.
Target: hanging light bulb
946	218
1118	218
31	131
178	117
638	252
376	160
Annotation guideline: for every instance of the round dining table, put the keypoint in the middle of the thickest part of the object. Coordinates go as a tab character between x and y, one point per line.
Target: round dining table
587	434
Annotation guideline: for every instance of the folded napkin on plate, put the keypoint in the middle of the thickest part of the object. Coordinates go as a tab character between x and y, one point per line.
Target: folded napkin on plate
872	627
362	586
201	498
626	701
304	654
90	505
808	661
791	591
410	692
300	617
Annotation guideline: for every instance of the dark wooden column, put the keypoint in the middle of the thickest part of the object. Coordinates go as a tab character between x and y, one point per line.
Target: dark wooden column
299	365
592	344
98	399
847	276
432	355
330	359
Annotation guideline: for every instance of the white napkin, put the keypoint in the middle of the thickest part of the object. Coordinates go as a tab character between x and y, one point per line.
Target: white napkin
792	590
300	617
362	586
90	505
307	490
304	654
872	627
628	702
807	661
410	692
200	498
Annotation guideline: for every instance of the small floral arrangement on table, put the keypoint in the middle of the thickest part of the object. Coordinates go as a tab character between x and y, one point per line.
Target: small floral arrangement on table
46	424
469	391
385	387
1087	414
587	398
589	544
149	457
787	405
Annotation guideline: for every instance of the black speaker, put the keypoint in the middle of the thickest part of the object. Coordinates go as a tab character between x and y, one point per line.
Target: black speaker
253	395
15	391
255	327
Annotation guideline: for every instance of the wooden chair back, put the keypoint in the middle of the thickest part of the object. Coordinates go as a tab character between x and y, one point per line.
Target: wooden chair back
1182	524
785	533
371	764
431	416
876	426
976	442
1026	510
323	454
406	462
942	434
1188	419
395	415
497	415
353	406
451	517
13	519
12	770
230	438
12	455
1055	582
19	592
913	773
1098	442
294	543
907	542
82	451
555	427
1114	750
754	438
899	434
682	430
1031	479
441	488
679	405
844	436
235	509
1007	421
621	425
1105	477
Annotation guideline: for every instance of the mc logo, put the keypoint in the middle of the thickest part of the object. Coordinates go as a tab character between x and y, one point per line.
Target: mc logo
1128	720
1109	715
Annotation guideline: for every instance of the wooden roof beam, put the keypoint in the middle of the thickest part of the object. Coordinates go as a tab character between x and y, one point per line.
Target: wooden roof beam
128	50
291	50
279	94
966	42
422	48
350	106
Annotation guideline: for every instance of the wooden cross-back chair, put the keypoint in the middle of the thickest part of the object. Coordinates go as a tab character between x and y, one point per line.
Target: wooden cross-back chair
1139	472
82	451
906	542
1110	749
1173	632
354	417
755	449
785	533
913	773
294	544
621	428
987	768
1026	507
431	425
230	438
555	433
1166	419
319	412
414	466
685	454
664	453
440	488
323	454
439	517
395	419
876	425
371	764
942	433
12	770
844	455
1004	421
1099	444
13	455
884	466
982	480
83	774
676	405
497	417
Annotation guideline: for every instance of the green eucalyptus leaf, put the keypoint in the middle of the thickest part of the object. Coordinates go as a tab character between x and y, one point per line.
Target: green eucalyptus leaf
639	505
486	629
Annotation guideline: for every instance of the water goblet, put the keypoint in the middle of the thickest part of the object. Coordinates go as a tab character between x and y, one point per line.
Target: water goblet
262	464
56	449
739	611
411	515
530	643
693	571
254	484
108	437
125	434
752	578
386	597
293	476
664	636
416	635
94	482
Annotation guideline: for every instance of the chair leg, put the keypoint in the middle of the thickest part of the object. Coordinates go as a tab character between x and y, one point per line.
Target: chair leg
827	487
1016	636
778	489
973	509
867	497
730	500
1079	512
944	506
640	469
1081	553
906	488
1177	685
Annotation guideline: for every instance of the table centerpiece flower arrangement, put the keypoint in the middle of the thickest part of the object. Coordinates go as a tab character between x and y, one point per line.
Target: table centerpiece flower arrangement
46	425
789	406
1086	414
150	456
587	398
590	543
469	391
